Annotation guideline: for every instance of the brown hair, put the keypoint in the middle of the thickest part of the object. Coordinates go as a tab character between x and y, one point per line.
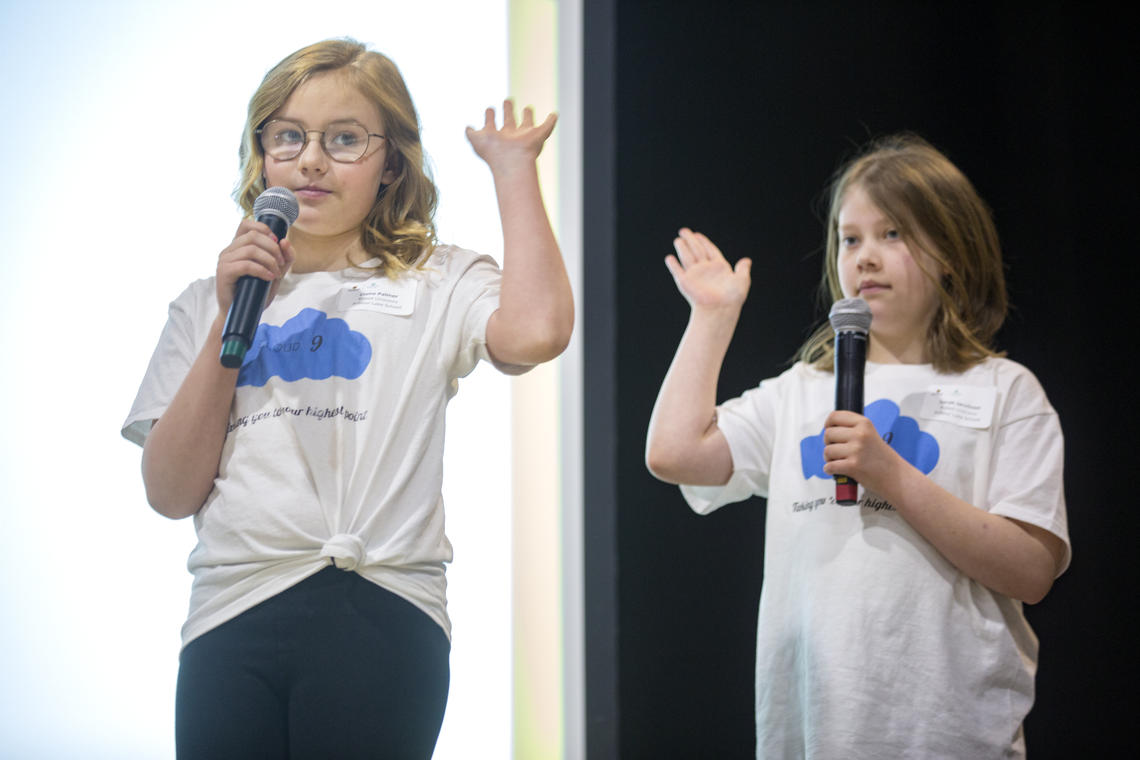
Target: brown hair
937	211
400	229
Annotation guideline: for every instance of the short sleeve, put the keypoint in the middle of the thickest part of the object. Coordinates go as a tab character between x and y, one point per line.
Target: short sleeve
1028	462
169	365
474	296
748	424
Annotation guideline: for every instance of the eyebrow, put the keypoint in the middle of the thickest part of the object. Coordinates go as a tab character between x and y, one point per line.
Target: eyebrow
883	221
345	120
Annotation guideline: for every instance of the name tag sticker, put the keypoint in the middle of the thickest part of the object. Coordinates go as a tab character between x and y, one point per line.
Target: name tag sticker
397	297
965	405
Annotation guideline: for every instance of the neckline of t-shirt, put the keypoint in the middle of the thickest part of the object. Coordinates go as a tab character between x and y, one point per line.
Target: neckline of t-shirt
924	367
363	271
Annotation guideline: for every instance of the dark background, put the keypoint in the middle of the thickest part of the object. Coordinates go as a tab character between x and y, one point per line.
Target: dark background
730	118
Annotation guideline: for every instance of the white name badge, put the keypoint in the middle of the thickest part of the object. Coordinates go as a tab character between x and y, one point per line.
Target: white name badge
965	405
396	297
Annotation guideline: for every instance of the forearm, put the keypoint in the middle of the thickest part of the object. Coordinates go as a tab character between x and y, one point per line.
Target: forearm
995	551
181	455
684	444
536	306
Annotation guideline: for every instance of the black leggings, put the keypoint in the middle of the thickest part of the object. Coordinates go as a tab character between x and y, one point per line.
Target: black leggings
334	667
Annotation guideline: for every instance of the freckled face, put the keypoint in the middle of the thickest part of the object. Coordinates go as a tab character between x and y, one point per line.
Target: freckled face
876	264
334	197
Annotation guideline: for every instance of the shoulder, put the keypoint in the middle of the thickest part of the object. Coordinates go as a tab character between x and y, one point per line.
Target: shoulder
196	300
1015	378
449	261
774	391
799	375
805	373
1021	393
197	290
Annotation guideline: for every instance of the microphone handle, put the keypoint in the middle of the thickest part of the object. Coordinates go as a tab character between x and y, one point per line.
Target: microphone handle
850	364
245	310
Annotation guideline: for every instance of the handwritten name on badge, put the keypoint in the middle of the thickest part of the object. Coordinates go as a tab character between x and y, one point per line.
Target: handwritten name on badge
397	297
964	405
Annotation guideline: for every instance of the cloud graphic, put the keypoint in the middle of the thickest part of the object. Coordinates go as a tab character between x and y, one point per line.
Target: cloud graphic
811	457
901	433
309	345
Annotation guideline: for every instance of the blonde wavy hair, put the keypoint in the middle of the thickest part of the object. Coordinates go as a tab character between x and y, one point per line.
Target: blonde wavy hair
937	211
400	230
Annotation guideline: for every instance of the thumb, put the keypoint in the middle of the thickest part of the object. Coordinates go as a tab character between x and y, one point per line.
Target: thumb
744	267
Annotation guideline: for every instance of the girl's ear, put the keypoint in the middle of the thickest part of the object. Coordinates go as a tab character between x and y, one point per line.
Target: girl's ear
393	166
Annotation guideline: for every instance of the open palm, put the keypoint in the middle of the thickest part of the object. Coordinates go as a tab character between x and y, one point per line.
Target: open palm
704	276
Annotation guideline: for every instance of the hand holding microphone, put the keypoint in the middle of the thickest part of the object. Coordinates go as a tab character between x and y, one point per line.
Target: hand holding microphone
277	208
851	320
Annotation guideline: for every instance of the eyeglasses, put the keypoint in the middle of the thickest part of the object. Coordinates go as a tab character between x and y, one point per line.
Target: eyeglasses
343	141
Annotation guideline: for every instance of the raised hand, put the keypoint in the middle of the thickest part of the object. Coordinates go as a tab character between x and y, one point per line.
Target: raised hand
514	144
704	276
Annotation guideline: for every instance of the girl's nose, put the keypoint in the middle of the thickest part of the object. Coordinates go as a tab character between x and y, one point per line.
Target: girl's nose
867	257
312	157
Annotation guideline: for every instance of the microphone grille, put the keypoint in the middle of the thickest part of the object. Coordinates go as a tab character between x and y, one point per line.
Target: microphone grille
850	315
278	201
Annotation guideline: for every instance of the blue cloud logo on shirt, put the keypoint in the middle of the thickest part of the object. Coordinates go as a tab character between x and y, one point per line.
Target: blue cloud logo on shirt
309	345
900	432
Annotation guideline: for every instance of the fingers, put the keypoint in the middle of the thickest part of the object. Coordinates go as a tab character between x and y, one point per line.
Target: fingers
503	148
248	261
260	241
684	250
842	418
693	247
254	251
289	254
853	447
547	127
511	122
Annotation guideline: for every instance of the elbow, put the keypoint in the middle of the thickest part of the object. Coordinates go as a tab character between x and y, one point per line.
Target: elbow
169	499
1040	568
554	335
551	332
169	505
525	338
654	462
550	344
661	463
546	341
1035	582
1035	591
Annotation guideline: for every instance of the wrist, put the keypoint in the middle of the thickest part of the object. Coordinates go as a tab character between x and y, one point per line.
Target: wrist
717	316
902	483
217	327
514	169
713	328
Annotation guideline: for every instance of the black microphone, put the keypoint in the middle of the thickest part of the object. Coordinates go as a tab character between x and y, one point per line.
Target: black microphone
276	207
851	320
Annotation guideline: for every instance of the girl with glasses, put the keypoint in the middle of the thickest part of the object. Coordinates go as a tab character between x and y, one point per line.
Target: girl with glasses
318	623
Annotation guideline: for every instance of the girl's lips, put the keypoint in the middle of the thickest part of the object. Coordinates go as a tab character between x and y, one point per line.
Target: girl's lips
871	287
311	192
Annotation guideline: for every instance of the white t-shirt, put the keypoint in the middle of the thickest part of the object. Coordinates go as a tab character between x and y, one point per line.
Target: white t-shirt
334	452
870	644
